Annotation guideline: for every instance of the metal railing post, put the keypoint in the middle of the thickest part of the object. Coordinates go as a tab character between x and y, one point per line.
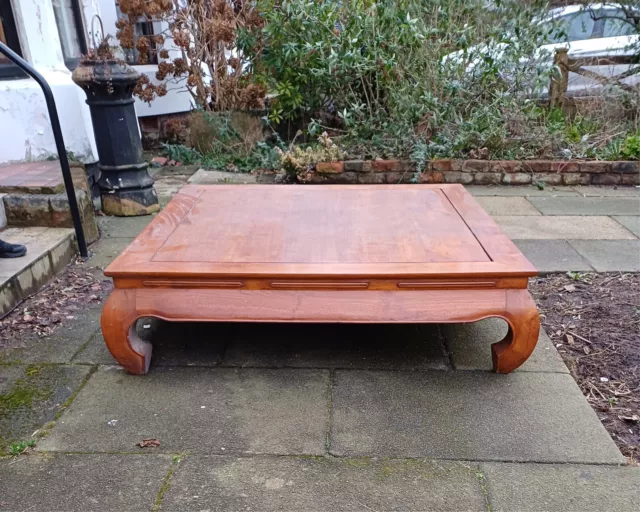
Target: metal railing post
57	135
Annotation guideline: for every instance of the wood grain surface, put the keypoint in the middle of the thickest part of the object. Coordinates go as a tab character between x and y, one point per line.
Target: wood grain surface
347	231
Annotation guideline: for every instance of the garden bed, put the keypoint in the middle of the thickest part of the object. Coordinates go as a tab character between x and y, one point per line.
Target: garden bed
594	321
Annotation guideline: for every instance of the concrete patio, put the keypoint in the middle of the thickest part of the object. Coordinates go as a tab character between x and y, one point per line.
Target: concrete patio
326	418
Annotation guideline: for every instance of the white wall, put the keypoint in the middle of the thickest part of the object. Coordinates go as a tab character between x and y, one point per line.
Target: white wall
177	98
25	131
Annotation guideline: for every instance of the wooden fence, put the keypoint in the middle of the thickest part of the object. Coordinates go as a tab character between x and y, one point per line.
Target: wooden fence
565	65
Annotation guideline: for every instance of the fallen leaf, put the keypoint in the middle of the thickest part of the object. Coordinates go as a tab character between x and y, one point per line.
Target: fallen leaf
570	288
149	443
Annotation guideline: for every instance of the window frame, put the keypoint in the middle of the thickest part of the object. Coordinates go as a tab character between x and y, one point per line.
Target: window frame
78	20
10	70
131	56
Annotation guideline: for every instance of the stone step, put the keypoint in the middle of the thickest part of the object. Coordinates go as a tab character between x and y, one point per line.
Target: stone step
48	251
3	214
33	195
49	210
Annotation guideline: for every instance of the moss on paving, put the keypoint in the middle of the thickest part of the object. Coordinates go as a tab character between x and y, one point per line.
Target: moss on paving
23	394
166	484
34	399
16	403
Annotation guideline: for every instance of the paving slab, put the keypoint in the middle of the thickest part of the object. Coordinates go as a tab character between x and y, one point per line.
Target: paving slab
524	191
32	395
106	250
562	228
81	483
320	484
631	222
205	177
552	255
566	487
198	410
524	416
60	347
123	227
400	347
587	205
610	256
174	344
168	185
594	191
499	205
470	347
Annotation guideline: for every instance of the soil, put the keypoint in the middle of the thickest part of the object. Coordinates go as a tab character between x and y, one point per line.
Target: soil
594	322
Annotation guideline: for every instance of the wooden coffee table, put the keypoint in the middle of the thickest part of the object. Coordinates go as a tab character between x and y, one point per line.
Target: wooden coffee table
353	253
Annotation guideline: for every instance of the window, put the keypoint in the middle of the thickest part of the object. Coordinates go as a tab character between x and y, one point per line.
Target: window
579	27
69	20
143	28
617	24
9	36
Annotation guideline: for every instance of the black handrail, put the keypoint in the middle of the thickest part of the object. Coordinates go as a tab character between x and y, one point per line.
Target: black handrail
57	135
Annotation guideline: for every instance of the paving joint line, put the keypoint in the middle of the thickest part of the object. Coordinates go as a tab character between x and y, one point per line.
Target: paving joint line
67	403
244	455
327	441
301	368
84	345
621	224
526	198
484	488
444	347
166	483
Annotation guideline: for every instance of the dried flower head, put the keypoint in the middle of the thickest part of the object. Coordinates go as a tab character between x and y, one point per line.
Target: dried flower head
180	67
164	69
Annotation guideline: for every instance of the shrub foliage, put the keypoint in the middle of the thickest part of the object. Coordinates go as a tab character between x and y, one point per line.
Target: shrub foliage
420	78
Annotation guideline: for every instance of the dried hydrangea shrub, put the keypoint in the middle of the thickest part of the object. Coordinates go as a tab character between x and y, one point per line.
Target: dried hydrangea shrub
205	32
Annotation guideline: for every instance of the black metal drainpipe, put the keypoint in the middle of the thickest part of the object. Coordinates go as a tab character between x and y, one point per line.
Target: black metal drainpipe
57	135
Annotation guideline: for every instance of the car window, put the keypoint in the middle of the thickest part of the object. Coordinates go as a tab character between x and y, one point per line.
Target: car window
615	24
579	26
573	27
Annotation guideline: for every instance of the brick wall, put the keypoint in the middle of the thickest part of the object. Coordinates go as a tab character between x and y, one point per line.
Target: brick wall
479	172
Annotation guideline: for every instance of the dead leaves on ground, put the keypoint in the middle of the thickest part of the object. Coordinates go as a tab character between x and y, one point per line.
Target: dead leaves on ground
73	290
149	443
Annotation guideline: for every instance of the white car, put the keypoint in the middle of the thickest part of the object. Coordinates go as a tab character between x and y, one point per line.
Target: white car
593	31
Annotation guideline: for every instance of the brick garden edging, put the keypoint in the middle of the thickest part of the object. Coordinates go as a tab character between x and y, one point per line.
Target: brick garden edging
479	172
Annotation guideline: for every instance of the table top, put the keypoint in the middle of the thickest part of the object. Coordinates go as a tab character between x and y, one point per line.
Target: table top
338	231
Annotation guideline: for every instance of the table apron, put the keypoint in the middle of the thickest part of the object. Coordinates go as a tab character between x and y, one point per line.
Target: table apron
407	283
344	306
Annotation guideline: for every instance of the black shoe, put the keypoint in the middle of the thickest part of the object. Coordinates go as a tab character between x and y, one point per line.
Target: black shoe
8	250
